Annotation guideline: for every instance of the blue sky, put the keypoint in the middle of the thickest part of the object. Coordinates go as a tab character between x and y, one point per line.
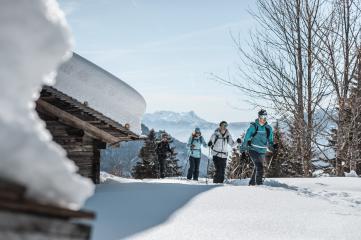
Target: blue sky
166	49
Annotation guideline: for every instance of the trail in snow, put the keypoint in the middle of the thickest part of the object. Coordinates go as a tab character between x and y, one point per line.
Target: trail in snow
314	208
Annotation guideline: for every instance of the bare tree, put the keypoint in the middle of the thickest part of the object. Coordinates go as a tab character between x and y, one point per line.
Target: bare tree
340	36
280	68
355	123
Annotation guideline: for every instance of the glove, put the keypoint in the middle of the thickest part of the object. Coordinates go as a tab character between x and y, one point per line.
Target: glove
210	144
249	143
275	146
239	141
193	146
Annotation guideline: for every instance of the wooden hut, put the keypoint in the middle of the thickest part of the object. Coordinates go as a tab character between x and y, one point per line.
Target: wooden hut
80	112
80	130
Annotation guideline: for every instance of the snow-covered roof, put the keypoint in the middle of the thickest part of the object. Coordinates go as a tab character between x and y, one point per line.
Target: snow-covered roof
104	92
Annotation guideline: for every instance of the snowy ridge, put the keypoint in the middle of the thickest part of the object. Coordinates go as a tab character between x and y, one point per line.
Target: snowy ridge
103	92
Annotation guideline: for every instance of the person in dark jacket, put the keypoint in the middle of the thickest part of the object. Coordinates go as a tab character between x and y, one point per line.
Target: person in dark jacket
195	143
257	141
162	150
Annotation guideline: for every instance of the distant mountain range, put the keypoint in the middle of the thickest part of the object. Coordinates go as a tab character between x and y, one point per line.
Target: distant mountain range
181	125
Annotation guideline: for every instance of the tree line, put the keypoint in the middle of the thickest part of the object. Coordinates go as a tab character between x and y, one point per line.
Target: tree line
304	62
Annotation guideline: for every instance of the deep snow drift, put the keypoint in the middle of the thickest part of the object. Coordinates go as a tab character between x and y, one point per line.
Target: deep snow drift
34	41
314	208
104	92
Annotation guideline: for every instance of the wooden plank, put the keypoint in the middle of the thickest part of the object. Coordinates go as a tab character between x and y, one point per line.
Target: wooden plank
76	122
11	191
30	207
15	226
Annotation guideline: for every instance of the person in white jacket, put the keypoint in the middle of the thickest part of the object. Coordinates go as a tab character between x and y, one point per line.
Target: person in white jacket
219	142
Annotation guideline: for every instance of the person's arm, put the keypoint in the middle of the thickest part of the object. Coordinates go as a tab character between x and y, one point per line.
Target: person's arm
270	138
168	148
211	141
189	142
203	142
247	137
230	141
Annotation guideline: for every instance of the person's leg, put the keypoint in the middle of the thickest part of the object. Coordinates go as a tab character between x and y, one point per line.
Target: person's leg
191	168
223	164
252	155
196	168
259	167
216	166
162	166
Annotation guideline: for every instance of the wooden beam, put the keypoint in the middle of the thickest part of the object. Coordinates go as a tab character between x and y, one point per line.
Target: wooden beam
73	121
27	206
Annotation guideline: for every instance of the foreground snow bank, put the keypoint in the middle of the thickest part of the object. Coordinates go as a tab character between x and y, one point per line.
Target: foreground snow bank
34	40
314	208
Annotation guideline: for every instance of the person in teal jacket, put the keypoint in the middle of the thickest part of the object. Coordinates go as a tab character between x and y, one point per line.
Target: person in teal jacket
257	141
195	143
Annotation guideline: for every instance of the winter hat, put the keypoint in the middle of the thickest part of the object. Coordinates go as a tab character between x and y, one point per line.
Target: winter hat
223	122
197	130
262	113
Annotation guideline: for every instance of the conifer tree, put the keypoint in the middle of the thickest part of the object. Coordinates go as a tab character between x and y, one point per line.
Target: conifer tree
148	167
172	167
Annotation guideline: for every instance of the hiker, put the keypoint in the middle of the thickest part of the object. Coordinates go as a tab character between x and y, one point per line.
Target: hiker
162	150
195	143
219	142
258	139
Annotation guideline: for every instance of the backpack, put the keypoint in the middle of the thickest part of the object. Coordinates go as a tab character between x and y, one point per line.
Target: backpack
268	130
193	139
217	137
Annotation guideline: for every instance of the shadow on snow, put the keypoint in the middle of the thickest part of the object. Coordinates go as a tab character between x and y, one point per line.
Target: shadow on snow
135	207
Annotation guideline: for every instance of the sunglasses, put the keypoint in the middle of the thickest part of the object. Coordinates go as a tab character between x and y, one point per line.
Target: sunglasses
224	125
264	117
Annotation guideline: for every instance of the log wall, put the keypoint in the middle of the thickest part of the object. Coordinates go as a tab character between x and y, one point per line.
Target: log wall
83	149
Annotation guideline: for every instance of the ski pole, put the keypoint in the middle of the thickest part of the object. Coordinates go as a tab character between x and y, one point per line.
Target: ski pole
185	169
209	155
268	166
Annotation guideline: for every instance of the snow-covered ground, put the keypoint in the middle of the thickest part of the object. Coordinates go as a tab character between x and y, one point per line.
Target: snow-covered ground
313	208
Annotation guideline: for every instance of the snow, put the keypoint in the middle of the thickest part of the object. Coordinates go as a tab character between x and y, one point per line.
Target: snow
309	208
34	40
351	174
320	164
320	173
86	82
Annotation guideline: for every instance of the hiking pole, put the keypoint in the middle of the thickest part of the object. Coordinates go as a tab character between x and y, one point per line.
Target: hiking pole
187	159
269	164
209	155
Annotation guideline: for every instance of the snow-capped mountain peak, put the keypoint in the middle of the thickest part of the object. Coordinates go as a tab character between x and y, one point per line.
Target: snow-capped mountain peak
181	125
169	116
